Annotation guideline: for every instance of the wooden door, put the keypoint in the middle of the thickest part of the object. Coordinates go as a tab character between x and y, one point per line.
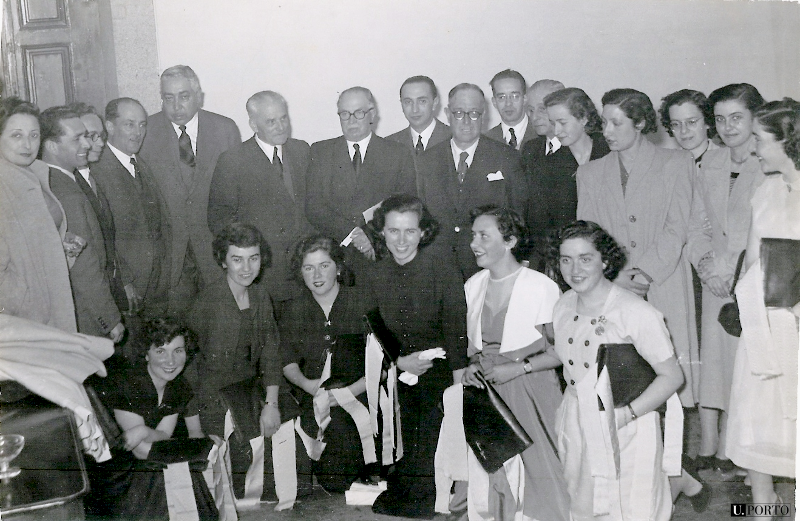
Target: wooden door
59	51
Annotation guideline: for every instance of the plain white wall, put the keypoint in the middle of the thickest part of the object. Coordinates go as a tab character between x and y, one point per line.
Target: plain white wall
311	50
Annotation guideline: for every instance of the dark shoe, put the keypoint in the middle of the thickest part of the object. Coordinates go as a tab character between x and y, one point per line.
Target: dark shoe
701	499
705	462
395	503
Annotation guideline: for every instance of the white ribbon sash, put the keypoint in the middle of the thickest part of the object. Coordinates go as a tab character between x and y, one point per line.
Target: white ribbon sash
181	503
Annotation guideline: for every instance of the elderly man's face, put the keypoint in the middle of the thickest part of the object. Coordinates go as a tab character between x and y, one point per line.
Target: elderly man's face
95	133
509	100
355	102
537	112
466	130
127	131
270	121
179	100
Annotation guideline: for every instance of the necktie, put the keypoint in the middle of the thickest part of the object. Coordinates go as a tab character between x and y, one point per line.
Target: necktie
86	187
549	148
513	141
285	175
420	147
357	159
137	171
185	147
462	166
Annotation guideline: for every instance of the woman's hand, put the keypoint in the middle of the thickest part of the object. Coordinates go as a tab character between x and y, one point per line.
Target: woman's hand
412	364
469	376
625	280
270	420
717	286
503	373
135	435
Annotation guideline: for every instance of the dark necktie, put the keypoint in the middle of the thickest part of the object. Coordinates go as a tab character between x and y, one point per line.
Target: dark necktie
513	141
419	148
462	166
549	148
138	171
357	159
185	147
285	176
85	186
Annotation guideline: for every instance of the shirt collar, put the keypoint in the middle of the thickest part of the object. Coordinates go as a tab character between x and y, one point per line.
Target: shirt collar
191	129
269	150
519	130
457	152
426	134
70	174
556	144
362	147
123	158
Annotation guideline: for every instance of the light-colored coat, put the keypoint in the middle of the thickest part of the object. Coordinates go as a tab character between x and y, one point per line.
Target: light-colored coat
651	222
34	277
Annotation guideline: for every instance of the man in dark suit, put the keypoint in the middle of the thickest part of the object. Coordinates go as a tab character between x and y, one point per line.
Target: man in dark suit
96	133
181	148
353	173
140	215
263	182
419	98
509	97
541	156
466	172
64	147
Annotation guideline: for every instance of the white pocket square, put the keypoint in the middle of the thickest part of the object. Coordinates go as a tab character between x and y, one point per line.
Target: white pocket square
497	176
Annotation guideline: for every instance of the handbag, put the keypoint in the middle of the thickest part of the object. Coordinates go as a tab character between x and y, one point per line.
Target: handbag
629	373
780	260
347	360
491	429
729	312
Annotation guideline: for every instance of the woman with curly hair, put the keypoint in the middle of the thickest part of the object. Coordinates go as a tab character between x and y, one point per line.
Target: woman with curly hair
687	116
762	427
613	456
642	196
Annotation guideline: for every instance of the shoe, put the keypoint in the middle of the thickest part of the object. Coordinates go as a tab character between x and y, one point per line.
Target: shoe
704	462
701	499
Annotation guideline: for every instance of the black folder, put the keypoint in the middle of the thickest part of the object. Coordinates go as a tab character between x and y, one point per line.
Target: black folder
780	262
245	399
347	360
630	374
387	339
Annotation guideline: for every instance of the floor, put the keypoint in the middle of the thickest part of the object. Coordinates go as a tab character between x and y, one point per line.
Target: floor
324	507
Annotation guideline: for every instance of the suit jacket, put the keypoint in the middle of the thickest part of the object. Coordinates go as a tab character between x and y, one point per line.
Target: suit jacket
186	192
142	232
441	132
553	190
247	188
96	310
450	202
725	212
336	199
34	278
496	133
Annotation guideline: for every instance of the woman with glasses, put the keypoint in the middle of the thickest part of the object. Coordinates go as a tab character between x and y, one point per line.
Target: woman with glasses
688	117
725	183
762	428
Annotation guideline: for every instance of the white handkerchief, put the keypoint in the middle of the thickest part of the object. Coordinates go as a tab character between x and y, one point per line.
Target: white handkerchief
408	378
497	176
430	354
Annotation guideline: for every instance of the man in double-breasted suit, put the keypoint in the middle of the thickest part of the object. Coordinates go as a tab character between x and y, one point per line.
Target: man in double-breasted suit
354	172
141	220
65	148
181	148
467	171
509	95
263	182
419	99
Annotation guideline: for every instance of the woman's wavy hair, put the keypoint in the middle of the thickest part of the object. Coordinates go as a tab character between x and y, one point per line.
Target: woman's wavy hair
611	252
782	120
13	106
241	236
510	224
636	105
401	203
696	98
320	242
579	104
743	92
159	332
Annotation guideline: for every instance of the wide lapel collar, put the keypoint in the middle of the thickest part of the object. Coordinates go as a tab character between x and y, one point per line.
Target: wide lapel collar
743	187
344	165
449	176
716	176
641	172
611	181
477	285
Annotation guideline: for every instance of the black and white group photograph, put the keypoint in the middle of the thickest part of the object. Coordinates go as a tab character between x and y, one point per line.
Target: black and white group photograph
488	260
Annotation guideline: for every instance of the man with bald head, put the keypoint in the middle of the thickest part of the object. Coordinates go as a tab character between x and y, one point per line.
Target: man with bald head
468	171
354	172
142	233
263	182
509	97
182	145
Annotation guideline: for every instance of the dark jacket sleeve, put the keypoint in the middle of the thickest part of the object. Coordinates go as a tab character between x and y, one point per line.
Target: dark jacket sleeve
270	364
454	318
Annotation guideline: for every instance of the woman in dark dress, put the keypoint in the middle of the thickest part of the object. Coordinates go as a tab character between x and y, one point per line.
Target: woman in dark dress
421	298
237	340
325	321
148	397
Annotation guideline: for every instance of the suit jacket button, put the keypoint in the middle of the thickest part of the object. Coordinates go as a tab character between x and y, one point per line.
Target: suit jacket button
632	218
457	229
633	244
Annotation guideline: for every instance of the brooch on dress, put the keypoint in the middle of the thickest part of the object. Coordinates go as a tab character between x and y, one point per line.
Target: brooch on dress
599	330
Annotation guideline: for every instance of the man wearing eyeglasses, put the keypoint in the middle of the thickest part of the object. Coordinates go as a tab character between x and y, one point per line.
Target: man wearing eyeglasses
352	173
509	98
467	171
